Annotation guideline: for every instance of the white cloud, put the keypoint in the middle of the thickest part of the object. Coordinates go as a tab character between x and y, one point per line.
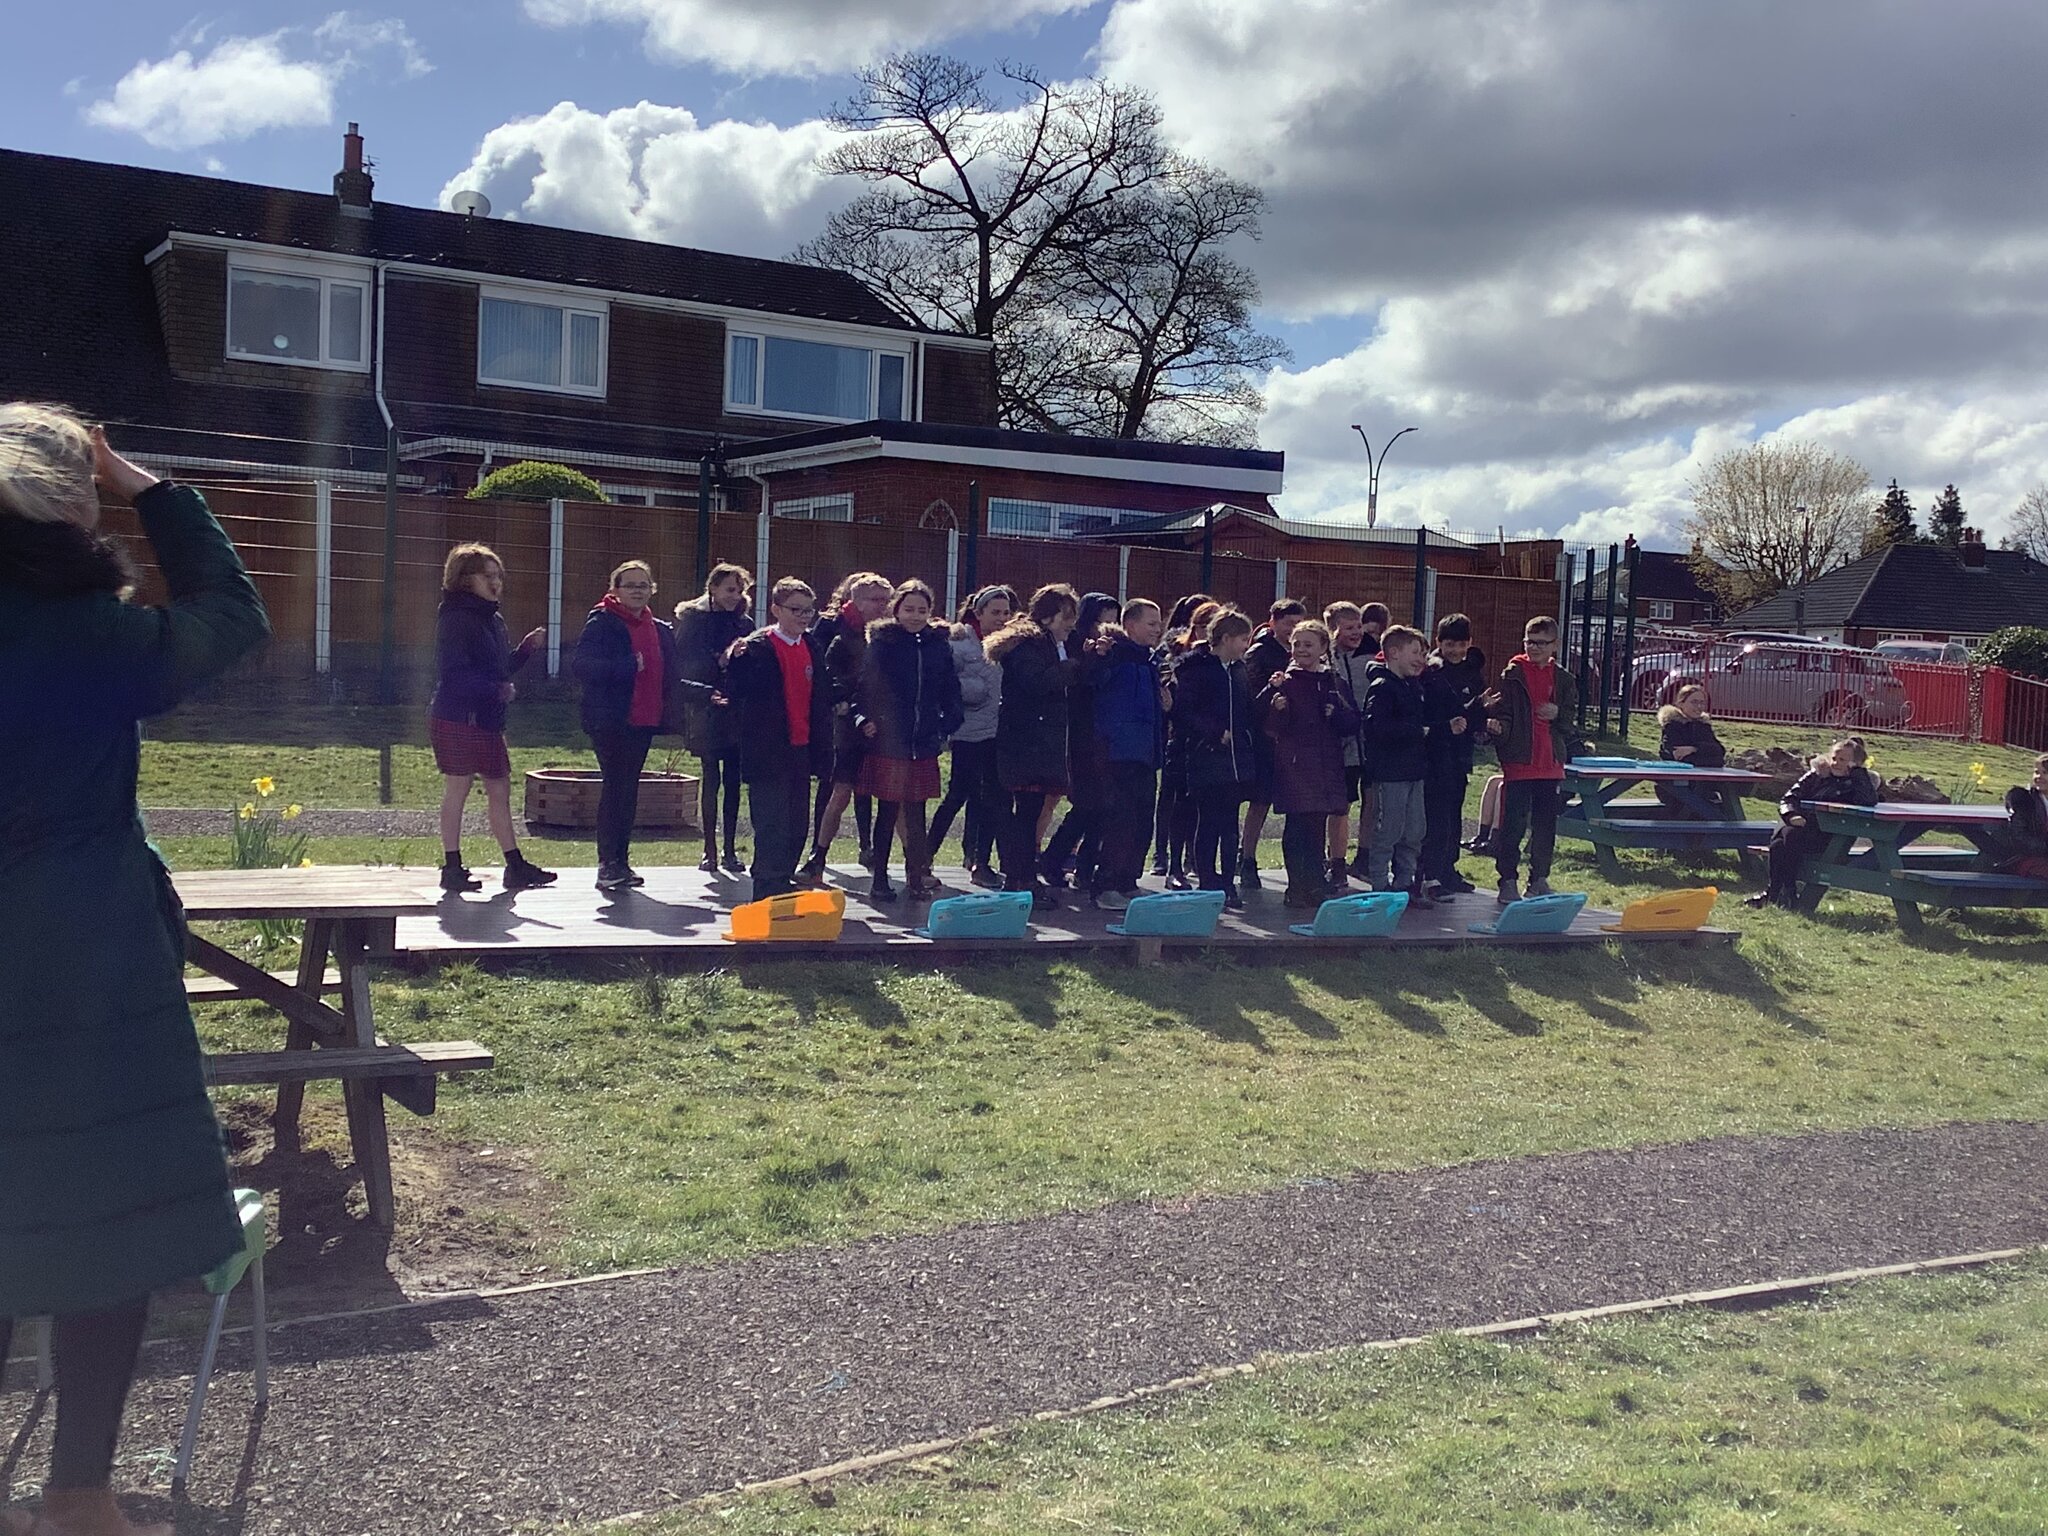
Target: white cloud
247	85
798	37
654	173
1587	244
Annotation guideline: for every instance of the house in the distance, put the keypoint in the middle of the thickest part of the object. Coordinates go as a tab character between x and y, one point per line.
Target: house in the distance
235	331
1912	592
1666	590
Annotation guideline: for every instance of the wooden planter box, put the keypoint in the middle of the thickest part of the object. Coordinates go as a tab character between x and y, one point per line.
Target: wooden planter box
567	798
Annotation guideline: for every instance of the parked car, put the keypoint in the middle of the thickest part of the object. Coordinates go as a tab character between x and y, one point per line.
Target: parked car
1945	652
1790	678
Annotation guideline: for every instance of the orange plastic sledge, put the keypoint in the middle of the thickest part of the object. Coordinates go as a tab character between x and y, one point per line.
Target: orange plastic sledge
814	916
1672	912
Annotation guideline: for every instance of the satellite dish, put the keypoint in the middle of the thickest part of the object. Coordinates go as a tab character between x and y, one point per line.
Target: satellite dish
471	204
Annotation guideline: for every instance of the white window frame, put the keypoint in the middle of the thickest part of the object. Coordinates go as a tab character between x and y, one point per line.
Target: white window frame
1663	609
762	335
1060	510
569	303
644	496
327	274
837	508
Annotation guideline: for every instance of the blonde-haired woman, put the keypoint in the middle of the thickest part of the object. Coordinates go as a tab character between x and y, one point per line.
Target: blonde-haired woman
474	664
113	1182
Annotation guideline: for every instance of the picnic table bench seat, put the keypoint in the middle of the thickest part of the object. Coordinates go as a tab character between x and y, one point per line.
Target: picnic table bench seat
1993	886
218	989
408	1073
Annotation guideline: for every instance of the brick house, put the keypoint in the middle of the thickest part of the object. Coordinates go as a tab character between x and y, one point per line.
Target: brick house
247	332
1667	591
1912	592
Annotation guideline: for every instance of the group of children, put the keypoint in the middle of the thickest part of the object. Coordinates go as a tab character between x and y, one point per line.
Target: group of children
1185	733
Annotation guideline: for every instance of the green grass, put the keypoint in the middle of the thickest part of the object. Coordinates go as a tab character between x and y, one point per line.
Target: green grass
691	1113
1908	1406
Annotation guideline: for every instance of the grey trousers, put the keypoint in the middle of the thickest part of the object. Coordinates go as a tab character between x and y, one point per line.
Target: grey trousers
1398	824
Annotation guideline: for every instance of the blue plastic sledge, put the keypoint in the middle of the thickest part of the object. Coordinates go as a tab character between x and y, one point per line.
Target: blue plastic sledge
984	915
1623	762
1535	914
1171	914
1373	915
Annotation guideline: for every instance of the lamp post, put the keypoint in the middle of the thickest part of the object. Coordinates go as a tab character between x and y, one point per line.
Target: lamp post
1372	470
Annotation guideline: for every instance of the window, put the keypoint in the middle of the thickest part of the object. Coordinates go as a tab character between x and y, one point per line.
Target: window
786	376
1661	610
304	316
540	346
1046	519
818	509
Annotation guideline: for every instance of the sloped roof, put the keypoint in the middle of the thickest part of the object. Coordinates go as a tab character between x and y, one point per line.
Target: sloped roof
1190	521
1660	573
1913	586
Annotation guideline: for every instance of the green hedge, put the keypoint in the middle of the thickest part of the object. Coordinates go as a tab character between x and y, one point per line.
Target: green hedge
536	480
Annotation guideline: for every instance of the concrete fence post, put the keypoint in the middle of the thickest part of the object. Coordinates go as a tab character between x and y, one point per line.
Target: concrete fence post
761	576
1123	574
1279	580
952	572
555	521
323	576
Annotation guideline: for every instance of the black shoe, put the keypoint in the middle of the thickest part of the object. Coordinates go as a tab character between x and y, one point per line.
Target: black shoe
613	877
455	878
709	863
865	857
1233	901
981	875
1178	881
1248	874
1158	869
1481	841
732	864
1043	899
879	889
523	876
813	872
1302	901
1418	896
1053	872
1358	869
1336	876
633	876
1457	885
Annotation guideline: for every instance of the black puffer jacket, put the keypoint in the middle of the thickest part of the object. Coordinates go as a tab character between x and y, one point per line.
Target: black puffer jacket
1396	727
604	664
473	658
703	635
1031	728
1212	716
1856	787
1677	731
1453	692
753	682
908	690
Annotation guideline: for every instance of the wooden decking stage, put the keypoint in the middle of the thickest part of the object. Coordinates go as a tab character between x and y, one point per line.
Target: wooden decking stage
682	909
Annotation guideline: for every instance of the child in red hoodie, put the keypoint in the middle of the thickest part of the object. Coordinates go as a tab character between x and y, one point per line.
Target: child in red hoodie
1537	696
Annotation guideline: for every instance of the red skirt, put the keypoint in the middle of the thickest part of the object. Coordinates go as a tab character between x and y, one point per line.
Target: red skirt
898	778
462	749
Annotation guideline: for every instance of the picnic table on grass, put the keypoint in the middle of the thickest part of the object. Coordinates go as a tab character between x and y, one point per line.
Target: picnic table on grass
1705	809
350	914
1870	848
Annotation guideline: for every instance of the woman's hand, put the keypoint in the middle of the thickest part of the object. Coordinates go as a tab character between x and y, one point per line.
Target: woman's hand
868	730
1459	724
1680	754
1279	701
115	475
536	636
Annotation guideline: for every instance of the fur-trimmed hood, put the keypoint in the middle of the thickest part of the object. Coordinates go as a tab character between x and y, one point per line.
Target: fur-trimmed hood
1012	635
1671	713
61	560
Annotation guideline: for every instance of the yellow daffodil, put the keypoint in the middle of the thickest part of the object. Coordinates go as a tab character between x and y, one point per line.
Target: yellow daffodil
305	863
291	812
1979	772
247	812
265	785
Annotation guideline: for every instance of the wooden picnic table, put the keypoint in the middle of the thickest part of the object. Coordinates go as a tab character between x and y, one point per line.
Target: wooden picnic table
1704	809
1870	848
350	913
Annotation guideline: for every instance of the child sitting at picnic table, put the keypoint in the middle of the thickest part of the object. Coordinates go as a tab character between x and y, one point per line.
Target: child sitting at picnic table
2026	828
1837	777
1685	735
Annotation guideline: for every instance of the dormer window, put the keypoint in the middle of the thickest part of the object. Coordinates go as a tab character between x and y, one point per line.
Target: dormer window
299	313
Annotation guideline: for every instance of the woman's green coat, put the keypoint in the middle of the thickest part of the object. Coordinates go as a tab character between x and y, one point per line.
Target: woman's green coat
113	1180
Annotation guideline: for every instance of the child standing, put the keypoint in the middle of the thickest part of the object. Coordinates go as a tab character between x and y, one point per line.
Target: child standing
1397	762
1129	734
843	633
1837	777
1455	686
1308	715
1174	839
1269	654
1212	710
1031	727
1351	653
907	702
475	662
1537	697
775	681
974	788
706	628
2026	827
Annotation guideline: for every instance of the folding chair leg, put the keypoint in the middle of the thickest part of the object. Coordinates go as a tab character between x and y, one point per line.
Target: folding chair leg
191	1438
259	1342
46	1369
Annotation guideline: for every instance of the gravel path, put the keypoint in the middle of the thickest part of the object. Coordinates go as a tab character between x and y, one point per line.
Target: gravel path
586	1403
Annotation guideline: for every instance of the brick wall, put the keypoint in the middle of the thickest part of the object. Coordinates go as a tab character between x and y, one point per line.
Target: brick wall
903	491
959	386
191	289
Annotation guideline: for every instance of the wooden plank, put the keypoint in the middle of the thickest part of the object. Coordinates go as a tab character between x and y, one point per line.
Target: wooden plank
343	1063
368	1133
217	989
303	1008
315	942
336	891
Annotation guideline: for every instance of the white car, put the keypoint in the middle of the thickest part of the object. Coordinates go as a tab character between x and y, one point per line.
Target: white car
1948	652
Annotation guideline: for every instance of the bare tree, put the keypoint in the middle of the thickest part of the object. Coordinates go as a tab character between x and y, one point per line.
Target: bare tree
2030	525
1060	228
967	199
1149	331
1776	515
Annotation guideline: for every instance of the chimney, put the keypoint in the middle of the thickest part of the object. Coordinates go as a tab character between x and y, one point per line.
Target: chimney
1971	548
352	184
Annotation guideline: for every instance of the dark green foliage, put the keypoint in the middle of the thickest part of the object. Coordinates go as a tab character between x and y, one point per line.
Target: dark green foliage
536	480
1945	519
1892	523
2023	649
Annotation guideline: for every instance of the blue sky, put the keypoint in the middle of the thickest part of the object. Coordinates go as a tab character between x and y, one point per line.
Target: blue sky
1583	245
